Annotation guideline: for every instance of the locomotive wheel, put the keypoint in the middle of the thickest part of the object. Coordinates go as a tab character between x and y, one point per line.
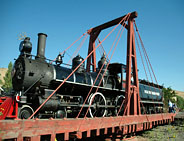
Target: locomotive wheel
98	103
118	102
25	112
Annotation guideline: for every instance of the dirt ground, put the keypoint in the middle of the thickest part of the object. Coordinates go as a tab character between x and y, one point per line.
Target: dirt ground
173	132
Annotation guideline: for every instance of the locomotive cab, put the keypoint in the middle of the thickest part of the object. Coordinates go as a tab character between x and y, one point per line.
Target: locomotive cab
118	70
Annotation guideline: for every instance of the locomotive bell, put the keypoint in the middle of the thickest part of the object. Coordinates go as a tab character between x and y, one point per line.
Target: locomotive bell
25	46
102	61
76	61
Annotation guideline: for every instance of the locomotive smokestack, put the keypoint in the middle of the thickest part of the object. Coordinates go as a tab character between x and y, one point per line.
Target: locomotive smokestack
41	45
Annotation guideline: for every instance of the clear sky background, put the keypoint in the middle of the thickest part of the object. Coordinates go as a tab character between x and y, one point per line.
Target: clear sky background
160	23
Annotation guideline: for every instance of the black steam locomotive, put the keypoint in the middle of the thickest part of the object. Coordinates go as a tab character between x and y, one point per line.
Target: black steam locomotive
34	78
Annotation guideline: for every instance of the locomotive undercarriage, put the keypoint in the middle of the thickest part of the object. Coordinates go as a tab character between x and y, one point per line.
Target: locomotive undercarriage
100	107
67	103
68	106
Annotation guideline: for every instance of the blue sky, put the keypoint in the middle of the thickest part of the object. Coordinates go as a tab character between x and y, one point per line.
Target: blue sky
160	23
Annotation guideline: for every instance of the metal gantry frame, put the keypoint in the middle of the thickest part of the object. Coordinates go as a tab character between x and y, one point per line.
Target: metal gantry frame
132	99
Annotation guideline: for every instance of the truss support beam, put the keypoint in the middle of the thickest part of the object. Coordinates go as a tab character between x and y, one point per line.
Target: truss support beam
91	61
132	99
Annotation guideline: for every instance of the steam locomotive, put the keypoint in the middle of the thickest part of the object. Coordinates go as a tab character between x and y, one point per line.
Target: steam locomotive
34	78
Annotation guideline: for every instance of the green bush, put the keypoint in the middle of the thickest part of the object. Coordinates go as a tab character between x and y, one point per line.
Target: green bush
7	85
168	94
180	102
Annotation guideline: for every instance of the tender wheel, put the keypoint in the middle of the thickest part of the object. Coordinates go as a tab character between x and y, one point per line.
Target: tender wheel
98	103
25	112
118	102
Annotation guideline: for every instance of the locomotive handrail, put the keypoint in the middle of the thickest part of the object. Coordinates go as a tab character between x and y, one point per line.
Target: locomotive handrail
90	85
50	61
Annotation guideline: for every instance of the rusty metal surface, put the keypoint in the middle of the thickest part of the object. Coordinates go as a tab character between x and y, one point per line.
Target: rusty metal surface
38	127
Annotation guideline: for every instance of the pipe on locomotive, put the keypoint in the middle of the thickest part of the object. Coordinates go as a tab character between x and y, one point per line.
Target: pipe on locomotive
41	46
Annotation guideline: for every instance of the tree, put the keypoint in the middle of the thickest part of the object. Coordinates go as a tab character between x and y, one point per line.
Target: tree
168	95
180	102
1	82
7	85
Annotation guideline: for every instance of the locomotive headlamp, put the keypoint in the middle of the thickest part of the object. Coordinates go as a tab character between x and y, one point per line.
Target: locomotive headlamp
25	46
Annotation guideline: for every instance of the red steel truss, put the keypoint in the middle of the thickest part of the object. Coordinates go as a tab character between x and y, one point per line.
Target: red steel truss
132	89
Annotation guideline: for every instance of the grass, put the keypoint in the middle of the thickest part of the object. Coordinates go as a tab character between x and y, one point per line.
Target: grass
164	133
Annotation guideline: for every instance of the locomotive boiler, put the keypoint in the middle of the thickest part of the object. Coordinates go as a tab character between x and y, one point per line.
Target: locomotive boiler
34	78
